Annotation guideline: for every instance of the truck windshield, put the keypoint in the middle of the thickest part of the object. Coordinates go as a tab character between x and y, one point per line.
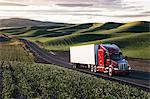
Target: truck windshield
116	57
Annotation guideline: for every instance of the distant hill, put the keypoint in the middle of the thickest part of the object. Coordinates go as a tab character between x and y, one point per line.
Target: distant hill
105	26
110	25
20	22
140	26
136	27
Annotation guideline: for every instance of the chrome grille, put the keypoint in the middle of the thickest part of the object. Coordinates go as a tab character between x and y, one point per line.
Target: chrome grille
123	66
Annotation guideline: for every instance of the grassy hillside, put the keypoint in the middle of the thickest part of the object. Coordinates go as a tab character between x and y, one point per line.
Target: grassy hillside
132	37
31	80
105	26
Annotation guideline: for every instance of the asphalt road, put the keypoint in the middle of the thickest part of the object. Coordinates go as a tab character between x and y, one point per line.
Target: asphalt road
137	78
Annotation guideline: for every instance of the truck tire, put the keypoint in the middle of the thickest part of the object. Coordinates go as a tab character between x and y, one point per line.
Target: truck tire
110	72
74	65
94	69
88	66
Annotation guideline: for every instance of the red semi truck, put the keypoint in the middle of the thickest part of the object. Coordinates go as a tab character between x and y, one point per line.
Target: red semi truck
106	58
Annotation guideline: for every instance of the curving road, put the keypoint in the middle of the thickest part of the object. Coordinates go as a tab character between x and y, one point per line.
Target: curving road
136	78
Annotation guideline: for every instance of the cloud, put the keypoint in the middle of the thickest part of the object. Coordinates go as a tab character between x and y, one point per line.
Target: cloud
146	12
113	16
11	4
138	15
111	10
49	11
74	5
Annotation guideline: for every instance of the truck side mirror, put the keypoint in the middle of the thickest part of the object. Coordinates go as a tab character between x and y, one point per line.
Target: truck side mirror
125	57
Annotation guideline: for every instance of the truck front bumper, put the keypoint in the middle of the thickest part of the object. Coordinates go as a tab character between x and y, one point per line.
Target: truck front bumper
124	72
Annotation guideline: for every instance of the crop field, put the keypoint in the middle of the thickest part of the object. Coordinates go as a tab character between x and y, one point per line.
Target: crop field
31	80
14	53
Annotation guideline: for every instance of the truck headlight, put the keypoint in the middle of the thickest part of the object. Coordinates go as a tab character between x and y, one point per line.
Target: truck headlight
129	68
116	69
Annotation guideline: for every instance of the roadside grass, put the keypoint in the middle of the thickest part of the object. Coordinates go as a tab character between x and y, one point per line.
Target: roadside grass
49	81
137	52
14	52
57	47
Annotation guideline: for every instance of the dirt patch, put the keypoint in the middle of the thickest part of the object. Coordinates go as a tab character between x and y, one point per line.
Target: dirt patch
12	43
136	64
16	43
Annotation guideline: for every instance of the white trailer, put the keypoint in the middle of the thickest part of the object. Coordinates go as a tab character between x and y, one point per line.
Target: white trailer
86	54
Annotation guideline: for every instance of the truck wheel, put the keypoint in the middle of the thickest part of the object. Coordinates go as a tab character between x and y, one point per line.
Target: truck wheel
88	66
110	72
94	69
74	65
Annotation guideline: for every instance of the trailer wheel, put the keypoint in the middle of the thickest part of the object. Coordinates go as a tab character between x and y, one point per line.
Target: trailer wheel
88	66
92	68
110	72
74	65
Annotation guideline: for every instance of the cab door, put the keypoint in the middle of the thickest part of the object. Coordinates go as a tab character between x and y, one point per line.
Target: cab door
101	57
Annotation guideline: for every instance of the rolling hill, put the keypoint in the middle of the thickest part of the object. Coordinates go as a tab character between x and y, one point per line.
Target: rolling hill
20	22
132	37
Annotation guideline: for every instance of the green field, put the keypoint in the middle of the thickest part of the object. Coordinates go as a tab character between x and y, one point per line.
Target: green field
14	53
31	80
132	38
22	78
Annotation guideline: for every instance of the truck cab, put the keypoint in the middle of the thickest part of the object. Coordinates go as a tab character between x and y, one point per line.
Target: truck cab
106	58
111	60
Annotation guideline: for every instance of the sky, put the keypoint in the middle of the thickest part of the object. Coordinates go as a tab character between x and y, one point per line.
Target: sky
77	11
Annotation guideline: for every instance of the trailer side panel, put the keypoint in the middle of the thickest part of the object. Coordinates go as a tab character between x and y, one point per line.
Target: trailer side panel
85	54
